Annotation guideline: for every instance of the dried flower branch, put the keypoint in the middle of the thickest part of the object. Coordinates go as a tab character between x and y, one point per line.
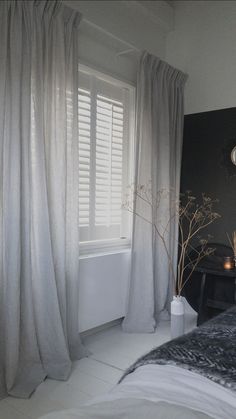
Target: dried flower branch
232	241
192	218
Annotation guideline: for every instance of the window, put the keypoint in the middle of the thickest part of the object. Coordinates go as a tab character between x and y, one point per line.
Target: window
105	109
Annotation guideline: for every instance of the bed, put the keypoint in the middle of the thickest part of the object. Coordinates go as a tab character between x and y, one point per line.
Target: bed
191	377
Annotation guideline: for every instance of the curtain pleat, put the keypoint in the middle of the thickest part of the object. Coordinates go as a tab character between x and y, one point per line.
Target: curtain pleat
159	114
39	246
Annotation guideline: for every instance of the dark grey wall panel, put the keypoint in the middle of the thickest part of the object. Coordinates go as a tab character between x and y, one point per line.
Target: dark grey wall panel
206	165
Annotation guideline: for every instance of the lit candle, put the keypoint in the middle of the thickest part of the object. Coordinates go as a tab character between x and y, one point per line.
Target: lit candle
228	263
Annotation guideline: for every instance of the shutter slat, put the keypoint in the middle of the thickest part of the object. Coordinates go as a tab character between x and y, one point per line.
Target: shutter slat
84	117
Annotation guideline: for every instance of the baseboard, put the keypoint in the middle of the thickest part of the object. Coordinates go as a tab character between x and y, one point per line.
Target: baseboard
98	329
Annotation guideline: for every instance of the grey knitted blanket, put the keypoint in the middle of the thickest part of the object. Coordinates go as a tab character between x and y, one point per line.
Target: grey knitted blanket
209	350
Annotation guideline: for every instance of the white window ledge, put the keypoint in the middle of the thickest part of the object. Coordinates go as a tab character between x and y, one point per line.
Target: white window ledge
104	247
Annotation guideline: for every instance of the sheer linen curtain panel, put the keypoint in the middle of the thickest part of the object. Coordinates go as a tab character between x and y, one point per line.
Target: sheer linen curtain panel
39	243
160	112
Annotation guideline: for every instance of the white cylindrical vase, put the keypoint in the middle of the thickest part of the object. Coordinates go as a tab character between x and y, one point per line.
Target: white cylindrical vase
177	317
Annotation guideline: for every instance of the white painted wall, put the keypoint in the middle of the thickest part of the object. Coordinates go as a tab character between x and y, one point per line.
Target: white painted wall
108	28
143	24
100	51
203	44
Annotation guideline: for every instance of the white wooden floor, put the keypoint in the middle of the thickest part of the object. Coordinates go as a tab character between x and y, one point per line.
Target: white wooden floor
112	352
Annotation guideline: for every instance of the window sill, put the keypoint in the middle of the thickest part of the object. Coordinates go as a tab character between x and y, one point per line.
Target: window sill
103	248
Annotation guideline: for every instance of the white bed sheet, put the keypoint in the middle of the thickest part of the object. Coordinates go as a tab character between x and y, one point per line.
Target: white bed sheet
163	383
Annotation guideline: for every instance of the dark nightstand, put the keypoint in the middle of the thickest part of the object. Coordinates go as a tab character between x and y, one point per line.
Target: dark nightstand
204	300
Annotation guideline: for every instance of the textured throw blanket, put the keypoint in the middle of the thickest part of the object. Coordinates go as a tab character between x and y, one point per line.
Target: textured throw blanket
209	350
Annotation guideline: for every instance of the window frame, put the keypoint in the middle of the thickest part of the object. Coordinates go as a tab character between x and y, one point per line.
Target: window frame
106	246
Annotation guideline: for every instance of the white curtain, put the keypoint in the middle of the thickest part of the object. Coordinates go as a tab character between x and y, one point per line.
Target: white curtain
39	243
160	113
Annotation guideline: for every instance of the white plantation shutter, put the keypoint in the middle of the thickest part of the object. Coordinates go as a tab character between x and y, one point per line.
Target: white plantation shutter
103	158
84	109
109	158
